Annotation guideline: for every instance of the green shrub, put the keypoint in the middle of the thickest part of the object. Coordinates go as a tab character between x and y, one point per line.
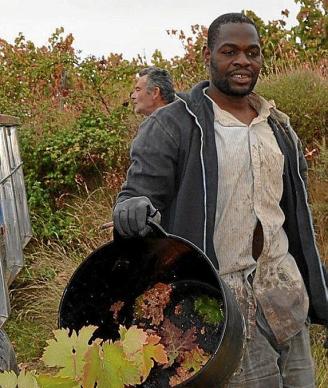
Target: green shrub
70	160
303	95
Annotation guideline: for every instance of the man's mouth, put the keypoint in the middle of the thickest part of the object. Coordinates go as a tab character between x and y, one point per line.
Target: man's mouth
241	78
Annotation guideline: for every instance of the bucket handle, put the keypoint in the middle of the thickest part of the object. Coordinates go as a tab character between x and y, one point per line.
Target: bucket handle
156	228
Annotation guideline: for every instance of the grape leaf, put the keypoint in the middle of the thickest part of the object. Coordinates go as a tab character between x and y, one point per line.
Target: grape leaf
209	309
142	349
132	339
151	304
92	366
67	352
47	381
115	308
30	380
177	341
117	370
8	379
194	359
27	379
192	362
152	351
180	376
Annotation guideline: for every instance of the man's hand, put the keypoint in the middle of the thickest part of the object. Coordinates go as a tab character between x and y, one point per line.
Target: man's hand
130	216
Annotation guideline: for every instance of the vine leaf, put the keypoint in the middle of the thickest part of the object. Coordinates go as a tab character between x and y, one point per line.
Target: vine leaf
195	359
117	370
92	366
120	364
67	351
48	381
209	309
115	308
8	379
133	340
180	376
27	379
142	349
192	362
152	351
151	304
177	341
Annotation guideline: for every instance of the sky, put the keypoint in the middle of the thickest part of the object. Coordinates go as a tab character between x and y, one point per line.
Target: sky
130	27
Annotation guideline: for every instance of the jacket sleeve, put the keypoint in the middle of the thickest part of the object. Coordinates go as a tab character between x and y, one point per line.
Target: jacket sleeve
152	173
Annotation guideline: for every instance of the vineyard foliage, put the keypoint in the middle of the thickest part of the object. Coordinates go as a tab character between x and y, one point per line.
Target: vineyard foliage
81	360
77	123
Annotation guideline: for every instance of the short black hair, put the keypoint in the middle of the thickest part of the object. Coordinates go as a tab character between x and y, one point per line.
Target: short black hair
160	78
214	28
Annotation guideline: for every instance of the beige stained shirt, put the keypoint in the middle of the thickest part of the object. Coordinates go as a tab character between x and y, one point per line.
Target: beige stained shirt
250	186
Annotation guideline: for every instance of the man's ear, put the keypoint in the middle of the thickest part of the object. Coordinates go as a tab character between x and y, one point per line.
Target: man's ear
206	55
156	92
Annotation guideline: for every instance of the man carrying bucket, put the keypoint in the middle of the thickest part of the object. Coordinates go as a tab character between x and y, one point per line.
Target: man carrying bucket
225	170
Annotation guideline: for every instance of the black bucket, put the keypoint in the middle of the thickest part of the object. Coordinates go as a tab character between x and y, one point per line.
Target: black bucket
123	269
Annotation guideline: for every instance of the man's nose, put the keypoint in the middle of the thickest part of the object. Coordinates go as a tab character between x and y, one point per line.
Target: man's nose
242	59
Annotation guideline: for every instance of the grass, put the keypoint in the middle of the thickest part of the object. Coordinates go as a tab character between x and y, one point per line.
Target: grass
28	338
320	356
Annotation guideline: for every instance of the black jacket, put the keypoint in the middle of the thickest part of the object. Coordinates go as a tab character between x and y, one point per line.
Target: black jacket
174	164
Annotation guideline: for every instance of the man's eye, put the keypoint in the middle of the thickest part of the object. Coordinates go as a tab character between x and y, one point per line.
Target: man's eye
253	54
229	52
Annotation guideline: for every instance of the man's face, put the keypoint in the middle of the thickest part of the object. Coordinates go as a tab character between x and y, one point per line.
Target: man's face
236	60
143	100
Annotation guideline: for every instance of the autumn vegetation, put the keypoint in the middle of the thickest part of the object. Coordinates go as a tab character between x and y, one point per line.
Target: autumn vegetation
75	133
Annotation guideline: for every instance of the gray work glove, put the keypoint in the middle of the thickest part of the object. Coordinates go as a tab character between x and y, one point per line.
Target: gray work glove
130	216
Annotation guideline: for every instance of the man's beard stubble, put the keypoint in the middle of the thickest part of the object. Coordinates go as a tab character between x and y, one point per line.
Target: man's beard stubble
223	85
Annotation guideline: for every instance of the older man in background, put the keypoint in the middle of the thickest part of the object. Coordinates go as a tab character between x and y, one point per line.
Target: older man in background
154	89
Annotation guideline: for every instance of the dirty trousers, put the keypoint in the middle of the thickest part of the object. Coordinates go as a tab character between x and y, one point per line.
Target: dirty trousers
266	364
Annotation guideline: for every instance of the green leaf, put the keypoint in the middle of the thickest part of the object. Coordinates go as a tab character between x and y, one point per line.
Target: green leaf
8	379
92	366
132	339
195	359
67	352
209	309
23	380
27	379
47	381
117	371
152	351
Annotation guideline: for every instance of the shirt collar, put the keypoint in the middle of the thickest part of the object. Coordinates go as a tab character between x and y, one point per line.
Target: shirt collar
260	104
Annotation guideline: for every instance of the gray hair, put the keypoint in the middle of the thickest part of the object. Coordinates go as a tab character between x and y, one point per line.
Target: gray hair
160	78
